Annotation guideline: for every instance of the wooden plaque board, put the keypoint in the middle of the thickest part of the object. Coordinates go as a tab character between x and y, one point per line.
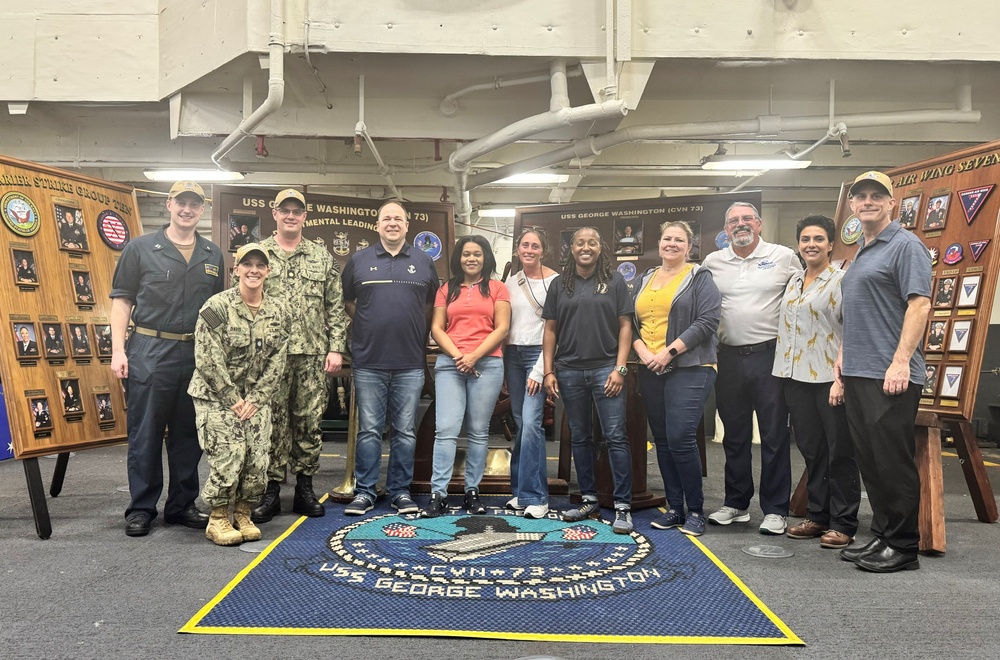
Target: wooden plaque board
965	182
31	198
637	219
345	224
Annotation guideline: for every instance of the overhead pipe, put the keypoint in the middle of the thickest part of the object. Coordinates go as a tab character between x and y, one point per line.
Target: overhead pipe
361	131
763	125
449	104
559	114
275	85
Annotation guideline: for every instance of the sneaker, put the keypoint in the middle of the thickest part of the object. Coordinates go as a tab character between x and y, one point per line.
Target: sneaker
727	515
835	539
536	511
588	509
673	518
773	524
359	506
623	520
436	507
513	505
807	529
472	503
403	503
694	525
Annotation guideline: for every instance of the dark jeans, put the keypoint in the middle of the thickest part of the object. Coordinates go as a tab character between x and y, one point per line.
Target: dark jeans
674	406
745	385
822	436
882	428
581	390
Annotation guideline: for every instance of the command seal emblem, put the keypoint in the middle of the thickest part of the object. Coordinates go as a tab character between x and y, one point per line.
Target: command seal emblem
20	214
429	243
341	243
851	231
113	230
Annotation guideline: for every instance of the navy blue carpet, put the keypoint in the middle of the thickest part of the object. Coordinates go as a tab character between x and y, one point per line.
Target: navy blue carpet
498	575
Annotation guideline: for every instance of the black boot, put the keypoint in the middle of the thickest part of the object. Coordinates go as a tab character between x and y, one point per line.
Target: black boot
270	504
305	502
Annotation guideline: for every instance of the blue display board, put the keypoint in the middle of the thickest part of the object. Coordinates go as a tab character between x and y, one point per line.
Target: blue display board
6	441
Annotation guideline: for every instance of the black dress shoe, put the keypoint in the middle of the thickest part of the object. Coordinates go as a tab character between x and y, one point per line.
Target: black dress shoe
889	560
854	554
137	524
270	504
189	517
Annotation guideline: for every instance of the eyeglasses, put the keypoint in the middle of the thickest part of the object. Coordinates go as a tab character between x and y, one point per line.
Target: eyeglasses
297	213
745	219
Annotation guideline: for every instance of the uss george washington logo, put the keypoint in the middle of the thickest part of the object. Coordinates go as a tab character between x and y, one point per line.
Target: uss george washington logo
498	556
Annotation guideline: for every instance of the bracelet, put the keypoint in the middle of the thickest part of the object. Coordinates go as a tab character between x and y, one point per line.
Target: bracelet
545	375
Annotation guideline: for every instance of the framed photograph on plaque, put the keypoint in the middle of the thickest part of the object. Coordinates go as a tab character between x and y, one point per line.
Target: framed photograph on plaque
944	292
968	292
951	381
26	340
628	237
105	413
53	342
937	212
41	414
72	232
79	340
936	333
958	338
72	402
102	333
908	210
930	380
25	273
82	288
243	228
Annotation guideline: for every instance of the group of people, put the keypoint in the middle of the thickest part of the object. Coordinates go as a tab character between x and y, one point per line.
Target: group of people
837	354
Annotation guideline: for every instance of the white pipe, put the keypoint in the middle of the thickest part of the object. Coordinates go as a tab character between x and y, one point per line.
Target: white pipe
275	85
611	88
361	130
449	104
773	125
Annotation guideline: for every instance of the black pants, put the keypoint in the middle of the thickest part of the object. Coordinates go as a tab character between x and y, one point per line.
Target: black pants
822	436
882	428
745	385
159	371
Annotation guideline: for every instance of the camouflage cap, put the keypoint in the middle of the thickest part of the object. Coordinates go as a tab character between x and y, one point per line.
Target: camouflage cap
245	251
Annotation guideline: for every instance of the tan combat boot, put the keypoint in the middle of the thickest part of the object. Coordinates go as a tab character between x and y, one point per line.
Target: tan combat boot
220	531
242	522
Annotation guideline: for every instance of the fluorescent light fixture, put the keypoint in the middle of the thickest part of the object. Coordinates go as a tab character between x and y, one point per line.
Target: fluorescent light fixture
757	163
192	175
496	213
530	178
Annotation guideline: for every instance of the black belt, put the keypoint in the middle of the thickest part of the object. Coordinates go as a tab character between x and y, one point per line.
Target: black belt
750	349
149	332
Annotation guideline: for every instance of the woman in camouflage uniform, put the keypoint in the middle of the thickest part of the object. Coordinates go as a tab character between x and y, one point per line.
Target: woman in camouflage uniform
240	351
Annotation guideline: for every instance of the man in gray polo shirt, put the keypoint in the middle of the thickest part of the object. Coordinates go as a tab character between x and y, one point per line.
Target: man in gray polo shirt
751	275
886	294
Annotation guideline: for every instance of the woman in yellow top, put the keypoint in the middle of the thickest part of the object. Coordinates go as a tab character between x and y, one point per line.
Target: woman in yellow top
677	309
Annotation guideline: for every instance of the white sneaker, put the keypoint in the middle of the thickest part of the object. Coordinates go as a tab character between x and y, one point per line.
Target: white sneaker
727	515
773	524
536	511
512	504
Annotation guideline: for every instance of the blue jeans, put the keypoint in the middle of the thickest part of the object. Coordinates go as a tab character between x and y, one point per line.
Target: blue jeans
379	390
461	397
580	391
528	476
674	406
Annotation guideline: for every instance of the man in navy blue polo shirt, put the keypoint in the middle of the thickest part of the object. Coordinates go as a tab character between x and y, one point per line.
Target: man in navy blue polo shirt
886	295
389	293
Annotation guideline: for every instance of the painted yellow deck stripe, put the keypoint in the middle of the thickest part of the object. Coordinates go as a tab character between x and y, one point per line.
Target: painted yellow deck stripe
954	455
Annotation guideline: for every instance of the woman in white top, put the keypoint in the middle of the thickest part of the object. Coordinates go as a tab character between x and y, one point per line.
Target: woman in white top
528	289
809	337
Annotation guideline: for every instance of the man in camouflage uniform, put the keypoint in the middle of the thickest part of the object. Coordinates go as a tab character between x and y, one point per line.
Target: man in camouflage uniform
240	347
305	277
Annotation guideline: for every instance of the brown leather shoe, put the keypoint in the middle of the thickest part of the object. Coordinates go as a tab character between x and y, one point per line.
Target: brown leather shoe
835	539
807	529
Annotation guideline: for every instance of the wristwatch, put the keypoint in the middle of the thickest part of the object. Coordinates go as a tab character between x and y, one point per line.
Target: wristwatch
622	369
673	352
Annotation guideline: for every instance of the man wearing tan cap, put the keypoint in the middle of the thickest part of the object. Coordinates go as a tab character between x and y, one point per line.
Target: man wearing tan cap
160	282
305	277
886	294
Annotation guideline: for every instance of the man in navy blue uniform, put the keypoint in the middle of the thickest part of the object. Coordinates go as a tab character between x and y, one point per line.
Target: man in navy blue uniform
161	282
389	293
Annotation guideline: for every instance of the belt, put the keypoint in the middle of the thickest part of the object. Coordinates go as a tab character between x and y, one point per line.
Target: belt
750	349
149	332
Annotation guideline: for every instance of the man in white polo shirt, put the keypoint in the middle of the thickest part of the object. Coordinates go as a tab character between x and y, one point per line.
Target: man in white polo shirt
751	275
